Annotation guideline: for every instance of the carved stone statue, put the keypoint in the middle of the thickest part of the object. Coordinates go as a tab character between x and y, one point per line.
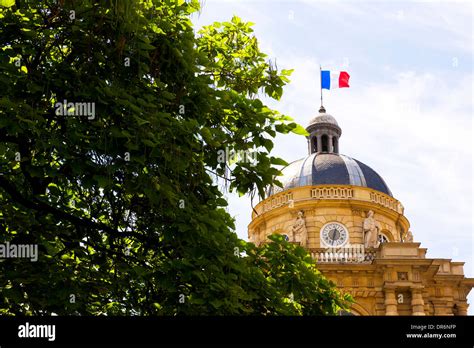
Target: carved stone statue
371	231
299	231
408	237
400	208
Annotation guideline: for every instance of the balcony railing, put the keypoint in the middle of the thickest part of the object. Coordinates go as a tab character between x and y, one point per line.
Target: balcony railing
346	254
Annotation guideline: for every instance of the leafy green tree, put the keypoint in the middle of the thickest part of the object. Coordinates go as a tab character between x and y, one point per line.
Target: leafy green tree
297	287
120	188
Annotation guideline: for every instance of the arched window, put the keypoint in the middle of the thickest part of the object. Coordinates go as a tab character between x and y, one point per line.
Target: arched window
315	144
324	141
383	238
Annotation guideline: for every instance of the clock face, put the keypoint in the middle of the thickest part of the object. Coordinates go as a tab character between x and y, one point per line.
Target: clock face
334	234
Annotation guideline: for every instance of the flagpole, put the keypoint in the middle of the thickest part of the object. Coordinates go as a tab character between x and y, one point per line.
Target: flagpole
321	85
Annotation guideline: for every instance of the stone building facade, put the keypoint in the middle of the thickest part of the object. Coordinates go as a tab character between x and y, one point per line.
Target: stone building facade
343	212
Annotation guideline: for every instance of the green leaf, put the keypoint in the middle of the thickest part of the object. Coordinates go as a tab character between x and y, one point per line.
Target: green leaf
146	46
278	161
221	202
101	180
140	121
299	130
7	3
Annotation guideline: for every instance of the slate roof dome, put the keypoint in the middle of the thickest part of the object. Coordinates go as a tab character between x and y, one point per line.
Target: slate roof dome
327	169
324	165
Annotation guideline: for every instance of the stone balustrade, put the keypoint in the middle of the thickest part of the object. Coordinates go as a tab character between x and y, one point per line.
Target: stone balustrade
347	254
386	201
285	198
332	193
277	201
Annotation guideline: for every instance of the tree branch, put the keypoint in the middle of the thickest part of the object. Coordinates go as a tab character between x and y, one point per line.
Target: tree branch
38	205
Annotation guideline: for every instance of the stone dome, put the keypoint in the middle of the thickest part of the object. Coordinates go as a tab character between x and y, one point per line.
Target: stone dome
329	169
323	119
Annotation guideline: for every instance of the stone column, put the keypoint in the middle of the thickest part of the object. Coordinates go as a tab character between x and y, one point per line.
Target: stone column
462	308
320	145
417	303
330	147
390	302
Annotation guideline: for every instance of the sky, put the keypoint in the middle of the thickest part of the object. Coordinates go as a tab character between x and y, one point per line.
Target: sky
408	113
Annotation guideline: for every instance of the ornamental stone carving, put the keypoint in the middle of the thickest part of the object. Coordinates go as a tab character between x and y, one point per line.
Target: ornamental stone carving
371	231
357	212
408	237
299	231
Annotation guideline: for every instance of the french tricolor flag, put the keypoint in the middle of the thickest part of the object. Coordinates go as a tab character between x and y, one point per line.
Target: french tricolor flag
334	79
